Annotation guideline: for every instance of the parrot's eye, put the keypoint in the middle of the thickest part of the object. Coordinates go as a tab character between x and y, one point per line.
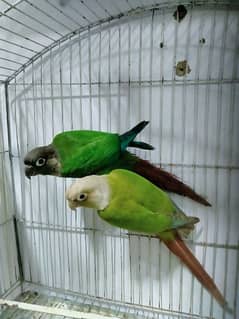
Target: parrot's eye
82	197
41	161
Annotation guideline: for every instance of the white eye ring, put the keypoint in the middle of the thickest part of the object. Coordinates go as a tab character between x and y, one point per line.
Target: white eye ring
41	161
82	197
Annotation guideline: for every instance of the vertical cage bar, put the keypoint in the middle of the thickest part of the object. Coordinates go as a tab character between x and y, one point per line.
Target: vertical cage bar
205	153
16	230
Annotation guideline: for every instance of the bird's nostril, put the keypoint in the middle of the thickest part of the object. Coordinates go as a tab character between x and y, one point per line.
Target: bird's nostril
27	162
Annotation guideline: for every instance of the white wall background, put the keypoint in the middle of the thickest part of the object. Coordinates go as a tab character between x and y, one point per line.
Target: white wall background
84	84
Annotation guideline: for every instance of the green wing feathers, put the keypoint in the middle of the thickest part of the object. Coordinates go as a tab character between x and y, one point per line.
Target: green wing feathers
151	208
93	152
86	152
127	214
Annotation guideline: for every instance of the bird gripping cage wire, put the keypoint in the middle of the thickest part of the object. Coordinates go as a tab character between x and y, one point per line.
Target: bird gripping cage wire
106	65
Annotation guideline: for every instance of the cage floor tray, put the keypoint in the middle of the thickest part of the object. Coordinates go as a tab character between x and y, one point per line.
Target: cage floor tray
43	304
32	304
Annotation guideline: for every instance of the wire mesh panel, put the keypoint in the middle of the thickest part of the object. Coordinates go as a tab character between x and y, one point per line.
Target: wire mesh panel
183	77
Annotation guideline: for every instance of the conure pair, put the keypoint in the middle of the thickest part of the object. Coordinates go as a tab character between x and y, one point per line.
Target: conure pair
122	198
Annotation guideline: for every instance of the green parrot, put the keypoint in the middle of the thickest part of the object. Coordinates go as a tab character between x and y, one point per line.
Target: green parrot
82	153
127	200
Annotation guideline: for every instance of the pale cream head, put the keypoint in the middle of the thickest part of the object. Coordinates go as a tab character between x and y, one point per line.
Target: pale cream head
90	191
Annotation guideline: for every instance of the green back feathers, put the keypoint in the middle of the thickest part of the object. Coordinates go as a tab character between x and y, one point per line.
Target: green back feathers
86	152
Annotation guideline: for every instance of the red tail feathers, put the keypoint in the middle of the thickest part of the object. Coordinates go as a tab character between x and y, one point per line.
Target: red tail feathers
179	248
166	180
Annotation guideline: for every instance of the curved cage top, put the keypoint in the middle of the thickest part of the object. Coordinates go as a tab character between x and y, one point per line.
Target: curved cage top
30	28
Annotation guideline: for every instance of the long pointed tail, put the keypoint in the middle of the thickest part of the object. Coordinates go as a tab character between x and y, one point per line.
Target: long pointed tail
165	180
179	248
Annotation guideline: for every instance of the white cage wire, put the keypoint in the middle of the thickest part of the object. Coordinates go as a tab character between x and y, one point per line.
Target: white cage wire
106	65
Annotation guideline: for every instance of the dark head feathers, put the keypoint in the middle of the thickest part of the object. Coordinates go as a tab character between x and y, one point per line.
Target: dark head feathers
42	160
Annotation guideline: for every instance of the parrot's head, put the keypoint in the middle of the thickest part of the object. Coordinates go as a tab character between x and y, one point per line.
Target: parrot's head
90	191
42	160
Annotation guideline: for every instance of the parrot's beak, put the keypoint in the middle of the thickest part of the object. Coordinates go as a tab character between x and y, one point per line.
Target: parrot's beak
72	205
29	171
